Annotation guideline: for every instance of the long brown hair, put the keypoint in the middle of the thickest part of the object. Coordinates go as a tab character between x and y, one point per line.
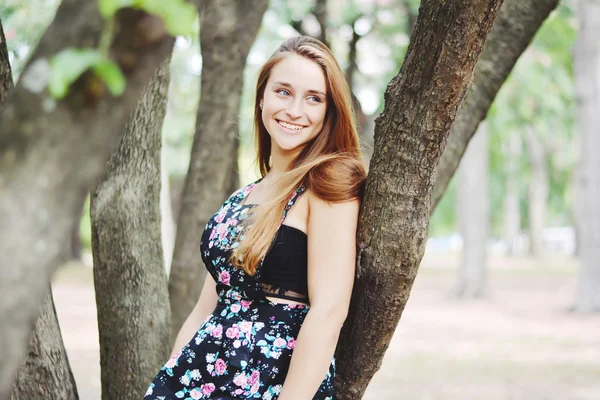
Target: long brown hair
330	165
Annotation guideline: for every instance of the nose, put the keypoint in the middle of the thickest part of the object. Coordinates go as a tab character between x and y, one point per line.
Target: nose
294	109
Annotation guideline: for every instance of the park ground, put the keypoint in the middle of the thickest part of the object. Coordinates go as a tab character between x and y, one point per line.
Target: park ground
520	343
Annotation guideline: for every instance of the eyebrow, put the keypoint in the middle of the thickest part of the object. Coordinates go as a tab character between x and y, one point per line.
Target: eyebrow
290	86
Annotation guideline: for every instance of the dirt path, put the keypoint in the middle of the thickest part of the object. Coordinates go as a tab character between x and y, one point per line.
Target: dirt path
520	344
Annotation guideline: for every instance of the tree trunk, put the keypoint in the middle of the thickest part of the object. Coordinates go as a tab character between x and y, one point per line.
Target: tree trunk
227	30
51	151
513	31
512	210
474	214
46	373
6	81
167	225
421	103
129	275
538	192
587	65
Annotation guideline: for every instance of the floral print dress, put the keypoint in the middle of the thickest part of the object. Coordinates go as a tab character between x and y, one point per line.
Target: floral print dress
243	349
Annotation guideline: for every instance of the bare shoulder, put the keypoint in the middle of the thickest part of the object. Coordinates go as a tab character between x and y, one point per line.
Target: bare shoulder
324	212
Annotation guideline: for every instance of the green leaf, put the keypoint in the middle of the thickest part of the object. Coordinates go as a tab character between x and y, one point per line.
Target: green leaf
178	15
112	76
108	8
67	66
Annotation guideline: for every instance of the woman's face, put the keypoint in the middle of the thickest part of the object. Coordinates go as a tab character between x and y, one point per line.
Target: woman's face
294	103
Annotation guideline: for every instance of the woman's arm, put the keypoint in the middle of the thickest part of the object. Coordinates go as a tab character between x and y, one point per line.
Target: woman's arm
331	265
202	309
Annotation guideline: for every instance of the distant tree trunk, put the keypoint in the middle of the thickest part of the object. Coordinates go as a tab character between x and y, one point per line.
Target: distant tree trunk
6	81
587	65
46	373
168	227
48	159
512	212
474	215
129	274
227	30
421	103
513	31
538	191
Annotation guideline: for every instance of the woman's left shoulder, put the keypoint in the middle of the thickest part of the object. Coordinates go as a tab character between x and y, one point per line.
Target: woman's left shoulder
324	209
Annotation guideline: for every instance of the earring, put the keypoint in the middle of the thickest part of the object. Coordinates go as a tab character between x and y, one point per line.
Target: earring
261	106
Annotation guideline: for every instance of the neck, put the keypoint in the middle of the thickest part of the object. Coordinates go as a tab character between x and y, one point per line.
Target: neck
280	162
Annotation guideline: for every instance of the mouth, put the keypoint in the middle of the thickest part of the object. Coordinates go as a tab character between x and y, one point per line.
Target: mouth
291	128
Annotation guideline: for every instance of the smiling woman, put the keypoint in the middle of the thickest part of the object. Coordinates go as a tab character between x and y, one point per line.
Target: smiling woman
269	317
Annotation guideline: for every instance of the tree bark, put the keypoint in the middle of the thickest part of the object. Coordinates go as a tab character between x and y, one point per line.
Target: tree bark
474	214
512	211
421	103
513	31
46	373
538	192
587	65
227	30
51	151
6	81
129	274
167	225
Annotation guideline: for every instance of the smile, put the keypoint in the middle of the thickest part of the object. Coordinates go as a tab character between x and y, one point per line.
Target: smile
290	127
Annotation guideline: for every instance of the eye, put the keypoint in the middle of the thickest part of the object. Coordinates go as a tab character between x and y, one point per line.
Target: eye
283	91
315	99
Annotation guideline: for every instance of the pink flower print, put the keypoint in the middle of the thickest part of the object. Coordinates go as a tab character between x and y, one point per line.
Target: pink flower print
279	342
241	380
246	303
221	216
239	391
291	343
233	332
208	388
217	332
254	377
235	307
173	360
255	387
235	296
232	222
222	231
237	344
220	366
245	326
196	394
224	277
212	234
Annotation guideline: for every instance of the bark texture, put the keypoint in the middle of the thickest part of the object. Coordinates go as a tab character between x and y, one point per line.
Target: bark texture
129	273
52	151
421	103
6	81
46	373
474	215
513	31
227	30
587	65
539	186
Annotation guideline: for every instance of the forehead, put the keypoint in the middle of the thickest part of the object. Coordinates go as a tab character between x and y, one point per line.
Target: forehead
302	73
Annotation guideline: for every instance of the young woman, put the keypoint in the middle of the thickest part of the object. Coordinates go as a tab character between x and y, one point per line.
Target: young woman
280	251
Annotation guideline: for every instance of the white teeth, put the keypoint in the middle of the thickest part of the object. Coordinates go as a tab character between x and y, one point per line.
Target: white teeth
290	126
